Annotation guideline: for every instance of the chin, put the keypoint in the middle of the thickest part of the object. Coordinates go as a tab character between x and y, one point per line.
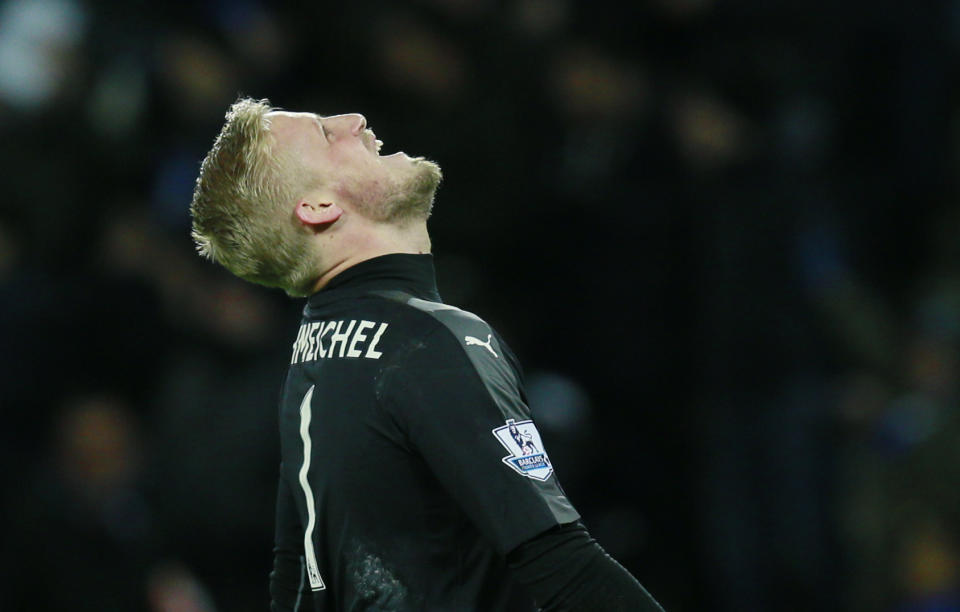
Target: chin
414	197
430	169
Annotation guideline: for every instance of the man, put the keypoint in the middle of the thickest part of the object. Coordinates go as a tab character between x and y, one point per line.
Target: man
408	477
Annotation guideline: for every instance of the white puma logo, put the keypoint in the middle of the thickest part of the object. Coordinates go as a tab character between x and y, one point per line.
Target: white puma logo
478	342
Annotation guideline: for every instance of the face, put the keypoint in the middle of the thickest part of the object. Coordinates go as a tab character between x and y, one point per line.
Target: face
342	156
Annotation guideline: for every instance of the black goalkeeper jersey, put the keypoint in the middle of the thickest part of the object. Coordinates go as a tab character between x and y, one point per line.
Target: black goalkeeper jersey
410	463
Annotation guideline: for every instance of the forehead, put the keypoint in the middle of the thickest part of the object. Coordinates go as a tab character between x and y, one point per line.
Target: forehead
291	129
283	122
283	115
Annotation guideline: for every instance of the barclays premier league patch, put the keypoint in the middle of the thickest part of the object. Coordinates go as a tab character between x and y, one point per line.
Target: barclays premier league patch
527	455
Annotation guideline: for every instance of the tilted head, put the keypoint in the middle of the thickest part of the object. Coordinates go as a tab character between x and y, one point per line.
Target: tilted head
283	196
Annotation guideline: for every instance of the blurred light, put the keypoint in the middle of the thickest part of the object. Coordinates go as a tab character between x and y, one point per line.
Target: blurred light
200	78
256	33
558	402
910	420
821	258
173	186
36	48
588	82
541	18
938	314
421	60
118	99
98	447
710	133
173	588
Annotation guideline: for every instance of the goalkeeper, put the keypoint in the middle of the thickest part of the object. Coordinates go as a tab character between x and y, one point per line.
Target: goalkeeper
412	476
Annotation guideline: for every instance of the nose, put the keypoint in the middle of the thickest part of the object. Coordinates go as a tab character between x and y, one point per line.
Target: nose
361	124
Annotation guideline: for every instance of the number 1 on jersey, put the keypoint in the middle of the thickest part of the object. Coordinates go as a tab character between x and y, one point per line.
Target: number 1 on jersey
313	572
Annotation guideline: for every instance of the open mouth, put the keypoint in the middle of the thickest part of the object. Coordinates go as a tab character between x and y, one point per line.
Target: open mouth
372	142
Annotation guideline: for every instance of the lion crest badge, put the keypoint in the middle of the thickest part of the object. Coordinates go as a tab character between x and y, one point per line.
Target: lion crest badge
527	456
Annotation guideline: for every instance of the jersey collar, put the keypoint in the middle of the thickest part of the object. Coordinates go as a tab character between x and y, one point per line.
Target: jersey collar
413	274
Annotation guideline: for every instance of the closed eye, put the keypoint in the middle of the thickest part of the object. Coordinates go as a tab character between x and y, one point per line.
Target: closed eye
323	130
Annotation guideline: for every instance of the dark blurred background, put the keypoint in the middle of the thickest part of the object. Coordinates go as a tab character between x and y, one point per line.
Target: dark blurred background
722	236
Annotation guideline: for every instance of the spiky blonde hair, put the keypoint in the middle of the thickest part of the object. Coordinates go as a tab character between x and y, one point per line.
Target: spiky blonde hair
243	204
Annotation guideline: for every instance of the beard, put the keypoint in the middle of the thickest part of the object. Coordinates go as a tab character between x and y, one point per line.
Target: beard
408	198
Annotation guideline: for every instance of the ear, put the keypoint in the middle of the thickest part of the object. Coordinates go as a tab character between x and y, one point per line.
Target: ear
321	213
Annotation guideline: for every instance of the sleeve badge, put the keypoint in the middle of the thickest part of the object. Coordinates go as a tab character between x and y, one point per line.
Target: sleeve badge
527	455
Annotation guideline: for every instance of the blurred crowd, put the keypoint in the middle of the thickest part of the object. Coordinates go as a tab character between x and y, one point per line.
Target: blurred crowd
721	235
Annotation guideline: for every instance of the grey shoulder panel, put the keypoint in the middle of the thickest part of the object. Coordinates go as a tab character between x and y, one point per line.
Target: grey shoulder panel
482	347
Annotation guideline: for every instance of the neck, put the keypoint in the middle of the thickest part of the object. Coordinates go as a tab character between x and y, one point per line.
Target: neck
374	241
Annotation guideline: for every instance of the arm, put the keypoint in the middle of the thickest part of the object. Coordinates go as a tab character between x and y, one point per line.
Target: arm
565	569
464	410
286	579
464	416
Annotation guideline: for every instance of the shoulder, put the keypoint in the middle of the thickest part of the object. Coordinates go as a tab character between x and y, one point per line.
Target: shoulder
449	320
401	331
443	325
450	337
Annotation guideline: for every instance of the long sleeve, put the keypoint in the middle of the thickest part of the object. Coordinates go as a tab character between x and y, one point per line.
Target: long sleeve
566	570
286	579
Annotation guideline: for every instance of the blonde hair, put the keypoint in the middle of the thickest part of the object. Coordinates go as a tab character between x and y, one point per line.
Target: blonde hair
242	204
